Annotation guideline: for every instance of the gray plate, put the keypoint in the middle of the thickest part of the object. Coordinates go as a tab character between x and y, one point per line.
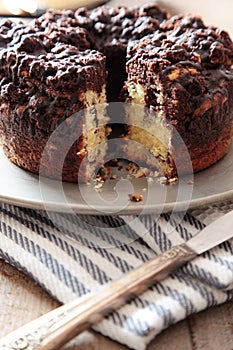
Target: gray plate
22	188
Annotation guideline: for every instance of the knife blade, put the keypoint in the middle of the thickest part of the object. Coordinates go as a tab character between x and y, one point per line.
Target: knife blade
214	234
56	328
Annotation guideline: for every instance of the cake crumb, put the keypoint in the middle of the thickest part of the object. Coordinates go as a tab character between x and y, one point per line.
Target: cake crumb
190	182
173	180
98	186
134	197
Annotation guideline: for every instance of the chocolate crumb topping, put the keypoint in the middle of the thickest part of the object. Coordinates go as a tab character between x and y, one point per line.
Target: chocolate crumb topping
181	67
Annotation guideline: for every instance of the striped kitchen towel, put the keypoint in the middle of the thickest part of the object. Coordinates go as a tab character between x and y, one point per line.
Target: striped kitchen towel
71	255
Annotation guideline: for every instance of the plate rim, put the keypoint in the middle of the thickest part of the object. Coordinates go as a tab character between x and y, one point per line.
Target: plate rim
131	209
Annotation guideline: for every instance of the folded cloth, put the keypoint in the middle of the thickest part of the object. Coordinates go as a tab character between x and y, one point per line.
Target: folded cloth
71	255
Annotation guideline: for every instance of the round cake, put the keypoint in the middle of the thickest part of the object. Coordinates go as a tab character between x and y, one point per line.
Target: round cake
59	71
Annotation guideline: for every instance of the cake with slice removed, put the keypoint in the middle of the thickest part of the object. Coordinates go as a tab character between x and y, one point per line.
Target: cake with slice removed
178	81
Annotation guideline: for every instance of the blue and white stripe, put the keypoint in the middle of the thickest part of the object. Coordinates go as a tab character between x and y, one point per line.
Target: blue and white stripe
71	255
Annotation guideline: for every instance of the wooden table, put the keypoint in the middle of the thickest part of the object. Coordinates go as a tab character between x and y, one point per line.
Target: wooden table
21	300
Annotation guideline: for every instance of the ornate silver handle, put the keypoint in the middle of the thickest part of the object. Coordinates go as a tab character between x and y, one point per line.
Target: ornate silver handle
56	328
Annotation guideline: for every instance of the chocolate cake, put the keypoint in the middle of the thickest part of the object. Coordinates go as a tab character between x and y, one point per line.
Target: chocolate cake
58	72
44	85
183	76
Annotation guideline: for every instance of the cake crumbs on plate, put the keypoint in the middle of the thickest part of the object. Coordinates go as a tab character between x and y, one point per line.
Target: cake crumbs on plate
135	197
98	186
190	182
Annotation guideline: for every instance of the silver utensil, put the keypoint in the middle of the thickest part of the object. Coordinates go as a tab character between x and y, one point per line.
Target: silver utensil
57	327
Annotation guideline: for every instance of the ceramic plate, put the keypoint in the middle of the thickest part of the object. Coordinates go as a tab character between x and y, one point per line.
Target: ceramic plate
23	188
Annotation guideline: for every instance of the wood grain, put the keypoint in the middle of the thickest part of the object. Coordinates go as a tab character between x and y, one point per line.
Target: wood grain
22	300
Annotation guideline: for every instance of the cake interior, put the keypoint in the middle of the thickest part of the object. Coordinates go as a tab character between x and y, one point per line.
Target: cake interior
95	130
148	127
